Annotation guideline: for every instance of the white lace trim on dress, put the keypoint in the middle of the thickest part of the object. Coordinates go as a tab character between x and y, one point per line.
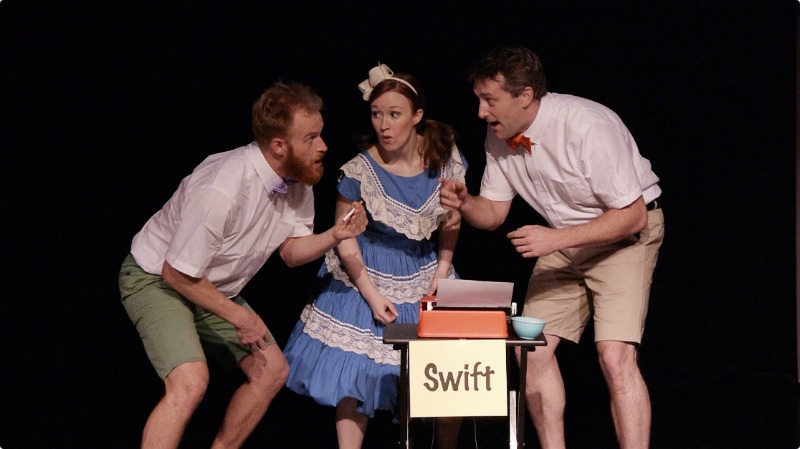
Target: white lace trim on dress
399	289
338	334
416	224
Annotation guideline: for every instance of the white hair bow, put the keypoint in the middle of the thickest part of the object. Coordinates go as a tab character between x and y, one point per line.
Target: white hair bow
376	75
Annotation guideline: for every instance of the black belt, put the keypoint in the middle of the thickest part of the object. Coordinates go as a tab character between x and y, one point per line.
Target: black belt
655	204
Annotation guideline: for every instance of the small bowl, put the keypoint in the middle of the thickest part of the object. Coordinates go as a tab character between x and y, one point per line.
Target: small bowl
527	327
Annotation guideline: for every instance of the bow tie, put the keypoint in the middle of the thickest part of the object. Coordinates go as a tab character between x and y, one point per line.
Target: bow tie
519	139
283	187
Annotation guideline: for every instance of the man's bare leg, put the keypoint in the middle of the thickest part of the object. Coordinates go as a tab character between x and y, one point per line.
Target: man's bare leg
266	372
630	401
544	394
185	387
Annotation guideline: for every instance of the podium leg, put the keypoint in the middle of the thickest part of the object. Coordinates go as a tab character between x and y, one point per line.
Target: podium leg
521	403
404	404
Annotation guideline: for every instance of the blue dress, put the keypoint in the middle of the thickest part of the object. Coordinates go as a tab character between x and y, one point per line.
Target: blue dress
336	349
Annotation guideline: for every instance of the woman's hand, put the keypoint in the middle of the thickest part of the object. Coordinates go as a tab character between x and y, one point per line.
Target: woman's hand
383	310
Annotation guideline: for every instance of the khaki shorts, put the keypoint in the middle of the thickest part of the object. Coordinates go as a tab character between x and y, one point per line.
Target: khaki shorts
173	329
611	282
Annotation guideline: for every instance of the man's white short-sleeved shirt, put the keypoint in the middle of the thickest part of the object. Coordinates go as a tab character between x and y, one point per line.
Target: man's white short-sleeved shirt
224	221
583	162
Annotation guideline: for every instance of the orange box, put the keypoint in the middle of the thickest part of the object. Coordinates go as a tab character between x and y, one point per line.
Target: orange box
459	323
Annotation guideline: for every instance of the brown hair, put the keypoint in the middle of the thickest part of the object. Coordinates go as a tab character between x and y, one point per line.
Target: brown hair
519	66
438	138
274	111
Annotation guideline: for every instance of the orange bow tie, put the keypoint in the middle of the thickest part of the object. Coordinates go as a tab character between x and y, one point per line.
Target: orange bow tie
519	139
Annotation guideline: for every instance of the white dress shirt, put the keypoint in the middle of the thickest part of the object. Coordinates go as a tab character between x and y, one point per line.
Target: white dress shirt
583	162
224	221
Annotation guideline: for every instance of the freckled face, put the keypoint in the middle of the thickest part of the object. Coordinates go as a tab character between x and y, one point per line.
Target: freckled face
394	121
306	148
503	112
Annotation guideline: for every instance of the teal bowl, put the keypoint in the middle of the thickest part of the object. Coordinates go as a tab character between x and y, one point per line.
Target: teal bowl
527	327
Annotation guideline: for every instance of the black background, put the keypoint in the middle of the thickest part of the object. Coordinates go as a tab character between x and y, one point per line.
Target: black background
107	105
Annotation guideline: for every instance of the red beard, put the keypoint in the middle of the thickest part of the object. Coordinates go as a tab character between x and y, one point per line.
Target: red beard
307	173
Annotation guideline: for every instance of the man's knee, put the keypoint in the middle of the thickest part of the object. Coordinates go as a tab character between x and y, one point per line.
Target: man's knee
280	370
267	369
186	385
617	360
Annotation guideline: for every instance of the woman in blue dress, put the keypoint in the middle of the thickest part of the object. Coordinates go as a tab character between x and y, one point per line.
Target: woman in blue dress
335	351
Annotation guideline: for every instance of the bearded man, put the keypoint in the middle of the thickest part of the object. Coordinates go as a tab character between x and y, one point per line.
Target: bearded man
180	284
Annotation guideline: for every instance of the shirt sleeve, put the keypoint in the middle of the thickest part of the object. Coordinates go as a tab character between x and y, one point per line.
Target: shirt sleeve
494	184
198	236
349	188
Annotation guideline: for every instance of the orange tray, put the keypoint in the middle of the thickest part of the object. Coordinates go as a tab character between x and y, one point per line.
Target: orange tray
442	323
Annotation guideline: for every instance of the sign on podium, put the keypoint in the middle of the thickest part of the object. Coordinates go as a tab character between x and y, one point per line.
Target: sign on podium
457	378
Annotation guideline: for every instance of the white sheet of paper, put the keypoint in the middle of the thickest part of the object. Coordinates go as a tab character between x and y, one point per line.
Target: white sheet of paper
467	293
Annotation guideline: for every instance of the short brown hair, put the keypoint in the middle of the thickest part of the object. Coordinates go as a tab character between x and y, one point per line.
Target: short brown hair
274	111
519	66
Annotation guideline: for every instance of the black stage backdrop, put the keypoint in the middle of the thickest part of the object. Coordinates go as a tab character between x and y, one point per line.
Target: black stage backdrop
107	105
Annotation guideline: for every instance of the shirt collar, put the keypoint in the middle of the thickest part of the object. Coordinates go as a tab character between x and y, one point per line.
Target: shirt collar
266	174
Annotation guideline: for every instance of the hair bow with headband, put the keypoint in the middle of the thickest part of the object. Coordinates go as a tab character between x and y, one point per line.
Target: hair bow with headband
376	75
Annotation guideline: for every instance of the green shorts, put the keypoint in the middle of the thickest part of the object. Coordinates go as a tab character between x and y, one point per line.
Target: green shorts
173	329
